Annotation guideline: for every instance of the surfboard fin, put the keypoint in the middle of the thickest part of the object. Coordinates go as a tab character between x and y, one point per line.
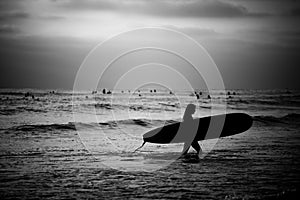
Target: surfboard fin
140	146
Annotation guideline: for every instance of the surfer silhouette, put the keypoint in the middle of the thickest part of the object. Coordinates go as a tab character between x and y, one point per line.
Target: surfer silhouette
188	120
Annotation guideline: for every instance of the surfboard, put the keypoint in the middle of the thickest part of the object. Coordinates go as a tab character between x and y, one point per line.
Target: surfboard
198	129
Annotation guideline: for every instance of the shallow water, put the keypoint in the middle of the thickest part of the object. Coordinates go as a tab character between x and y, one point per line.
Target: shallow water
42	155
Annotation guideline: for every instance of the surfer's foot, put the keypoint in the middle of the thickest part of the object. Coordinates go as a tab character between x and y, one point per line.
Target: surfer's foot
199	152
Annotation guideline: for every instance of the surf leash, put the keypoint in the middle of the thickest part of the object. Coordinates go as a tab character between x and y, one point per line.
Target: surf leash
140	147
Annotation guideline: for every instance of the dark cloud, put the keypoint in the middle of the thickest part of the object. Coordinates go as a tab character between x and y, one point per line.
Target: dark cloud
12	15
252	65
194	31
9	29
10	22
295	12
166	8
9	4
20	15
282	37
52	17
41	62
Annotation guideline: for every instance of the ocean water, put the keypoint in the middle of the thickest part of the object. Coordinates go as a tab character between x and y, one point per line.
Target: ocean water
80	145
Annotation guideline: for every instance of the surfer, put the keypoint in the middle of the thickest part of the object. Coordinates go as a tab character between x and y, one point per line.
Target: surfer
187	119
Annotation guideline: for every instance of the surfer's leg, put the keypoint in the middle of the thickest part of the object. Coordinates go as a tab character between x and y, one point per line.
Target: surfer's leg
196	146
185	149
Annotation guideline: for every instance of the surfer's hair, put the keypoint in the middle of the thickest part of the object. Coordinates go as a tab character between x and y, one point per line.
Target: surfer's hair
190	109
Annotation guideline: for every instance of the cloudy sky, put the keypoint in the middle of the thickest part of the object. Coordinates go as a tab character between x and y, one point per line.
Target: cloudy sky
255	43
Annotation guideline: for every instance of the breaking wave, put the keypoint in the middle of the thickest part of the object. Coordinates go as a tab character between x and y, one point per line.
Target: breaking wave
109	124
287	119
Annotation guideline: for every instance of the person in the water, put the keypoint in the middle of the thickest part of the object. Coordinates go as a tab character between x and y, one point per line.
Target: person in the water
188	118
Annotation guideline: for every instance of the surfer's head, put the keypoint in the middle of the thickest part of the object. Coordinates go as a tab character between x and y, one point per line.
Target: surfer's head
190	109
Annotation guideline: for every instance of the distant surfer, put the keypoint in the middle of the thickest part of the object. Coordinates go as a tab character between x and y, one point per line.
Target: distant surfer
188	119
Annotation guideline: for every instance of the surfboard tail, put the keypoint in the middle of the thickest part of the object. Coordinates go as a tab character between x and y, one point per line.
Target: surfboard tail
140	146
